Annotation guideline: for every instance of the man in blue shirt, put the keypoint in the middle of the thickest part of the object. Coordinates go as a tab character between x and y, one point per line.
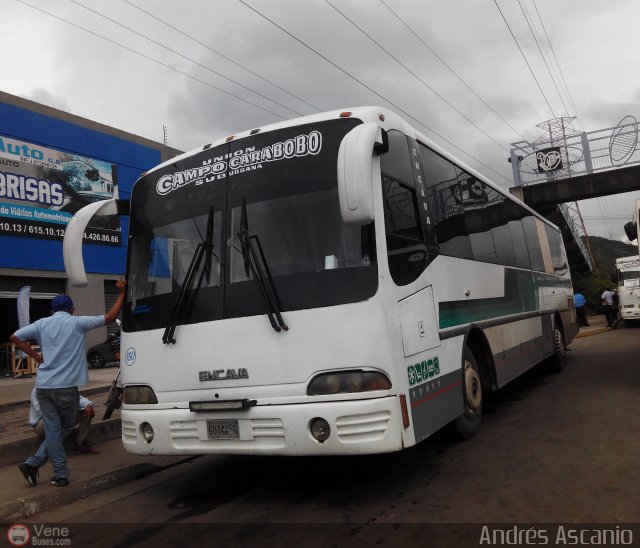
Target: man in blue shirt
581	311
62	368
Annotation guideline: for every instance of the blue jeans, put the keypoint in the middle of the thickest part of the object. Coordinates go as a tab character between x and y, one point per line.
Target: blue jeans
59	407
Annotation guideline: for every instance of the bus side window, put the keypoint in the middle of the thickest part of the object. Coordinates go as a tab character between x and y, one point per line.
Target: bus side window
447	206
475	197
474	221
519	244
558	257
406	249
533	243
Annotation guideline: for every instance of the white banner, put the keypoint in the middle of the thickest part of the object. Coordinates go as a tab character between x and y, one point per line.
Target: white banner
23	306
23	309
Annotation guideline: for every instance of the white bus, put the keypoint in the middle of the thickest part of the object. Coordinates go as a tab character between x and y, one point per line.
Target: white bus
628	276
336	284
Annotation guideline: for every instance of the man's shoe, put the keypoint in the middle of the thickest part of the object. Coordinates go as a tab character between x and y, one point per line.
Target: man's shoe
86	450
29	472
59	482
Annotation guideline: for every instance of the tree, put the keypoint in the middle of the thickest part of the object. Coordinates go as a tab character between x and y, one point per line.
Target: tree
591	287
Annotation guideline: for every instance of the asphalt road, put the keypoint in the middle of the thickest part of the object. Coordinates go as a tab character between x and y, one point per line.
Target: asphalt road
554	448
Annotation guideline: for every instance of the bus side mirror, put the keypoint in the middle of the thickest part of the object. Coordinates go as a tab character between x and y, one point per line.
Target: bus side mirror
631	230
355	186
72	242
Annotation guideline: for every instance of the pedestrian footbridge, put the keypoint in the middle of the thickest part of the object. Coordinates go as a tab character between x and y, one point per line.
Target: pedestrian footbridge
566	166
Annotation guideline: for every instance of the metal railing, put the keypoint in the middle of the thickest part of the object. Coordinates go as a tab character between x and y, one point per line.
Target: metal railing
577	154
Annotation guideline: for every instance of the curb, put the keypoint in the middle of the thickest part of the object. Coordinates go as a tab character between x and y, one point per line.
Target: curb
15	451
23	508
594	331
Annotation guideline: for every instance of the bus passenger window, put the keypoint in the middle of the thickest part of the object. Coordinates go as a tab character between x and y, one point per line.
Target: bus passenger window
519	244
533	243
504	246
447	205
478	206
558	256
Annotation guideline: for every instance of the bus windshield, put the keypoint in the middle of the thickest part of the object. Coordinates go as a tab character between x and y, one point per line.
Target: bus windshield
629	277
299	233
293	216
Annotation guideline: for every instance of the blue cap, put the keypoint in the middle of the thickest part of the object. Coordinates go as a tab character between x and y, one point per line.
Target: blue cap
61	302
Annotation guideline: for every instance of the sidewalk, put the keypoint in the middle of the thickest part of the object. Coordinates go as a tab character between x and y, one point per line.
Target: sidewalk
89	473
597	324
17	391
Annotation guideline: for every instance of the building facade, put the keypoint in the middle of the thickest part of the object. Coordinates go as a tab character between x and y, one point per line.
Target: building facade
51	164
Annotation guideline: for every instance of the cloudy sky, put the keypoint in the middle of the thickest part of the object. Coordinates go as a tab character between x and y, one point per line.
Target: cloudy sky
205	69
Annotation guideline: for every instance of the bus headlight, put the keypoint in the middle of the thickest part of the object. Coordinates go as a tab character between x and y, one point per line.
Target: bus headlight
346	382
139	395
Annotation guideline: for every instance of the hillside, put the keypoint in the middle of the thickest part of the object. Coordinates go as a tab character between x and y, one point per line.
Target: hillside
605	252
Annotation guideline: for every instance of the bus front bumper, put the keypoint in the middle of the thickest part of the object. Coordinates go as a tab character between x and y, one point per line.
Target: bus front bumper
356	427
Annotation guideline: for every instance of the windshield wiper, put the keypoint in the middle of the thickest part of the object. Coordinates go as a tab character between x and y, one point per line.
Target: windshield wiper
203	249
264	282
208	248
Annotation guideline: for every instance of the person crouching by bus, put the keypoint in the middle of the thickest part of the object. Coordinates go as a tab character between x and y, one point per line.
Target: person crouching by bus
84	417
607	306
581	311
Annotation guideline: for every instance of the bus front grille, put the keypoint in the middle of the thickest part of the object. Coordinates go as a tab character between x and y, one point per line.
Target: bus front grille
364	427
129	432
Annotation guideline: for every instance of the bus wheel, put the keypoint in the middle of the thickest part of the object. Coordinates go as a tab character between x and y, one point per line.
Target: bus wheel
468	424
559	357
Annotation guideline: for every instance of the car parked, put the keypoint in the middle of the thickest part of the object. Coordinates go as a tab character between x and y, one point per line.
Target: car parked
105	352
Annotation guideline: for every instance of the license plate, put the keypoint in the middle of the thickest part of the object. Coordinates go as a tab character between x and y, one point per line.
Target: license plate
223	430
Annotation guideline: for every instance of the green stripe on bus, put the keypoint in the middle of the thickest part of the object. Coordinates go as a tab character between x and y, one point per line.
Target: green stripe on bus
520	295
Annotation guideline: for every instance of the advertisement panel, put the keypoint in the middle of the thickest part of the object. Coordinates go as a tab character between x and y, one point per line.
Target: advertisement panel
41	188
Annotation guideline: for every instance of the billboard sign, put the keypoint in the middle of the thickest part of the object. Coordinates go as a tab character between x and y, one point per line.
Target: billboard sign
41	188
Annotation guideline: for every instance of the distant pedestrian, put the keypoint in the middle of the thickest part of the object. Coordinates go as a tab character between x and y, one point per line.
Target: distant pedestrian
581	311
607	306
62	369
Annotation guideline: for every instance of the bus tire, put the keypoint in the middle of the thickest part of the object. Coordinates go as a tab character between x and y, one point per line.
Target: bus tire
467	425
559	357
